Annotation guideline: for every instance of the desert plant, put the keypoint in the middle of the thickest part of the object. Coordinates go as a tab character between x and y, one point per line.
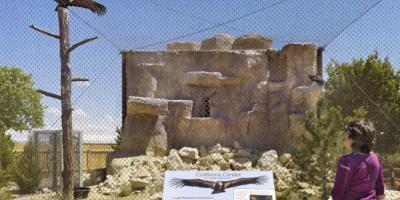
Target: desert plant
6	158
117	145
322	145
27	174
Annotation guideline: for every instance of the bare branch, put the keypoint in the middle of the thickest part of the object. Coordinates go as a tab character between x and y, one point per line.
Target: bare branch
73	47
80	79
34	27
49	94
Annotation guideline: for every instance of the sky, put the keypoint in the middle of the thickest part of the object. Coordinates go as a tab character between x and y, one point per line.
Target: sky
345	27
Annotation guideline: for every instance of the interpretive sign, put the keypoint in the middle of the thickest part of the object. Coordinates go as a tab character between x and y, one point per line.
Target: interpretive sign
219	185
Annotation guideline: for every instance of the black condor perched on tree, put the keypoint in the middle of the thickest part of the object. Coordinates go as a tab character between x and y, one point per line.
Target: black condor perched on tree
88	4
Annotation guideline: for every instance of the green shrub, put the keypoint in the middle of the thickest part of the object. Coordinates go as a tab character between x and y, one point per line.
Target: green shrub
6	158
27	174
117	145
5	195
390	159
322	145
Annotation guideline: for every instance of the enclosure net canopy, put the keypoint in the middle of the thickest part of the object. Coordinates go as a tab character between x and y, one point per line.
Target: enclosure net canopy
207	85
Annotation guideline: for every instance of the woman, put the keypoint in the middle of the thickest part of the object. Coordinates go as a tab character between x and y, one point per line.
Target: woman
359	175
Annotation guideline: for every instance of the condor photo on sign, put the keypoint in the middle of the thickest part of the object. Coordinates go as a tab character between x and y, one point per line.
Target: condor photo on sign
219	185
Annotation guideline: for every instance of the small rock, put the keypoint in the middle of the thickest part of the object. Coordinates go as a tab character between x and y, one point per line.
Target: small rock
286	160
125	189
156	196
205	162
224	165
141	172
225	150
268	160
241	164
190	153
215	149
174	162
157	184
218	149
46	190
214	168
216	157
227	156
138	184
119	163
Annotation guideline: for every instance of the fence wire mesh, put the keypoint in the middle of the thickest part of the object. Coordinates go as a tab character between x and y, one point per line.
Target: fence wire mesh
164	75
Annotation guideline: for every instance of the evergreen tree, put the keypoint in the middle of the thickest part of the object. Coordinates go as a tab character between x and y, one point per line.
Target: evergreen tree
322	145
27	174
374	85
117	139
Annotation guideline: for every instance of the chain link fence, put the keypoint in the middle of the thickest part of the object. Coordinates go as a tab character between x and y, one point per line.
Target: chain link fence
174	74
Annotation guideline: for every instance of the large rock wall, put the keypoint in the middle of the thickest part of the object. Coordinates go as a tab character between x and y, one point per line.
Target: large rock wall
220	90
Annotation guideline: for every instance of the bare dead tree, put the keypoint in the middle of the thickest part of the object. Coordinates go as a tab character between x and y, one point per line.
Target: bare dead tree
66	108
66	79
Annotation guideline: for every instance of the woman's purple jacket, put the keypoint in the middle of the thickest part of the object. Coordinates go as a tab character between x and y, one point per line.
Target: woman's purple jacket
358	176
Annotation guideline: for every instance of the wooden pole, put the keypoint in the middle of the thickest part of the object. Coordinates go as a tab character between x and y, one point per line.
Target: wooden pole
66	108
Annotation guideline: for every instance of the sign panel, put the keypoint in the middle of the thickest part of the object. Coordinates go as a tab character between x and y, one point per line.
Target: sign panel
219	185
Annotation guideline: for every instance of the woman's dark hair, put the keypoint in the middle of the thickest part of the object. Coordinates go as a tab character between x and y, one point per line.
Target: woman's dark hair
362	133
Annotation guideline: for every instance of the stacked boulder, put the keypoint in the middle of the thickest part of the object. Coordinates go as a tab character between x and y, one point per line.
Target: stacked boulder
146	173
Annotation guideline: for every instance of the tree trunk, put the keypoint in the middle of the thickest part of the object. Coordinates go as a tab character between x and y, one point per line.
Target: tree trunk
67	174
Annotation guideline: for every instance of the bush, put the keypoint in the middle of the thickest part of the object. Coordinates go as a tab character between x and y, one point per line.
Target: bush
27	174
5	195
322	145
6	158
117	145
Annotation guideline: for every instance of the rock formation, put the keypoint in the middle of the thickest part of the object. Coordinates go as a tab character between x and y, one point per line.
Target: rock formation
217	91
